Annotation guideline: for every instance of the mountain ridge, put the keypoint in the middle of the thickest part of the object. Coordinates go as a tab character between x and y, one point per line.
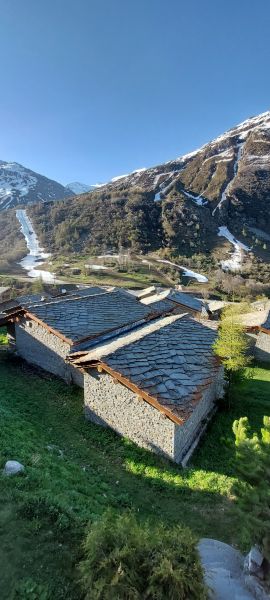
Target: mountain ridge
213	201
21	186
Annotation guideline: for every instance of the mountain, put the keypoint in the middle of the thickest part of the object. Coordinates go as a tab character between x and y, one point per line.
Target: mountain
79	188
19	185
213	201
235	159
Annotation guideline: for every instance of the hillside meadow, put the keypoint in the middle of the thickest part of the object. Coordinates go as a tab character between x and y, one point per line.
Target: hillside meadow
75	470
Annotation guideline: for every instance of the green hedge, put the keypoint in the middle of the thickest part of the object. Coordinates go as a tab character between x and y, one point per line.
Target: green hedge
127	560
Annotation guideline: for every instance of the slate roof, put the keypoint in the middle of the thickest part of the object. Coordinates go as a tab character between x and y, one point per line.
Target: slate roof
89	291
27	300
266	324
14	304
186	300
88	317
3	290
170	360
149	291
162	305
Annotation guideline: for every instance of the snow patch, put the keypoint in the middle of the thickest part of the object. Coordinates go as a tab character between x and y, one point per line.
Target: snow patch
97	267
235	262
79	188
186	272
138	171
36	255
197	199
15	182
119	177
235	171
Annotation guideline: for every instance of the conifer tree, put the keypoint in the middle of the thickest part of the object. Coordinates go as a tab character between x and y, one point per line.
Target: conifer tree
232	345
253	487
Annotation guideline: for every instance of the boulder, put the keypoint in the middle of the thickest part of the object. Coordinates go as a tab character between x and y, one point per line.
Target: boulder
223	570
13	467
253	563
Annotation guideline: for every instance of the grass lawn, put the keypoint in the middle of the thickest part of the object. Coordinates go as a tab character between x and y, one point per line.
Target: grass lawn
3	336
75	470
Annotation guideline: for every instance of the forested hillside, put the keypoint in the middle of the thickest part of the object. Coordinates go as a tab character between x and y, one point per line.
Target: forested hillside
189	205
100	221
12	242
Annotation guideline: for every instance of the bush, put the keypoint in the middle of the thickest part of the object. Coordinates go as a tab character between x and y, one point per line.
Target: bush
125	560
28	589
252	487
43	508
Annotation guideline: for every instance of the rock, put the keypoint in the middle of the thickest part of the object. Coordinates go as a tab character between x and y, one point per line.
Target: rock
223	568
253	563
13	467
53	448
256	588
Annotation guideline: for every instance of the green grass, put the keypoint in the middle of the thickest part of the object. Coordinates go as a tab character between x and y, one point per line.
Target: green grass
3	337
86	469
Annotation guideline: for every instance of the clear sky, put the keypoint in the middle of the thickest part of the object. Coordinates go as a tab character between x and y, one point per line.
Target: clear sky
91	89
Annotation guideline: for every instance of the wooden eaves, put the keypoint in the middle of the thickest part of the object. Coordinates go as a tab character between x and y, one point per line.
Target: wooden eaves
73	343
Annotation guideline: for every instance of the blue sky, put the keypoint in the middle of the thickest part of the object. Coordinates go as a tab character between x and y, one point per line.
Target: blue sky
91	89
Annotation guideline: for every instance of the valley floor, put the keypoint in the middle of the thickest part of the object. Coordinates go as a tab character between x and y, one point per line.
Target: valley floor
75	470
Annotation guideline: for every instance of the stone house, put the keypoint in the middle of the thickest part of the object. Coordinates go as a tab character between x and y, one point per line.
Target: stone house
4	294
176	301
156	385
262	346
257	324
45	332
166	374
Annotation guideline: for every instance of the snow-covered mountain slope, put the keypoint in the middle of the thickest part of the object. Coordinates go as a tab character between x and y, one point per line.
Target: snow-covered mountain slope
212	201
19	185
204	174
223	184
79	188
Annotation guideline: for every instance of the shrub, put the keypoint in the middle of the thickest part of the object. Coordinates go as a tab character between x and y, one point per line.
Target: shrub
252	487
232	345
43	508
28	589
125	560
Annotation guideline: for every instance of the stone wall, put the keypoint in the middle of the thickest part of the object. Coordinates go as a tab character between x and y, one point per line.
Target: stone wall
40	347
262	348
186	434
111	404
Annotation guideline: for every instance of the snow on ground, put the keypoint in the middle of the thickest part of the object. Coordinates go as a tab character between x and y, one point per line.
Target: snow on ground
224	232
119	177
15	181
97	267
157	178
261	122
186	272
235	262
197	199
187	156
239	154
165	188
113	256
139	171
235	171
79	188
225	155
36	256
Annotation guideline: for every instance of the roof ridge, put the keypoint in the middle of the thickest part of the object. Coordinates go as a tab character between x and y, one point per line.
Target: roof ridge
127	339
71	298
